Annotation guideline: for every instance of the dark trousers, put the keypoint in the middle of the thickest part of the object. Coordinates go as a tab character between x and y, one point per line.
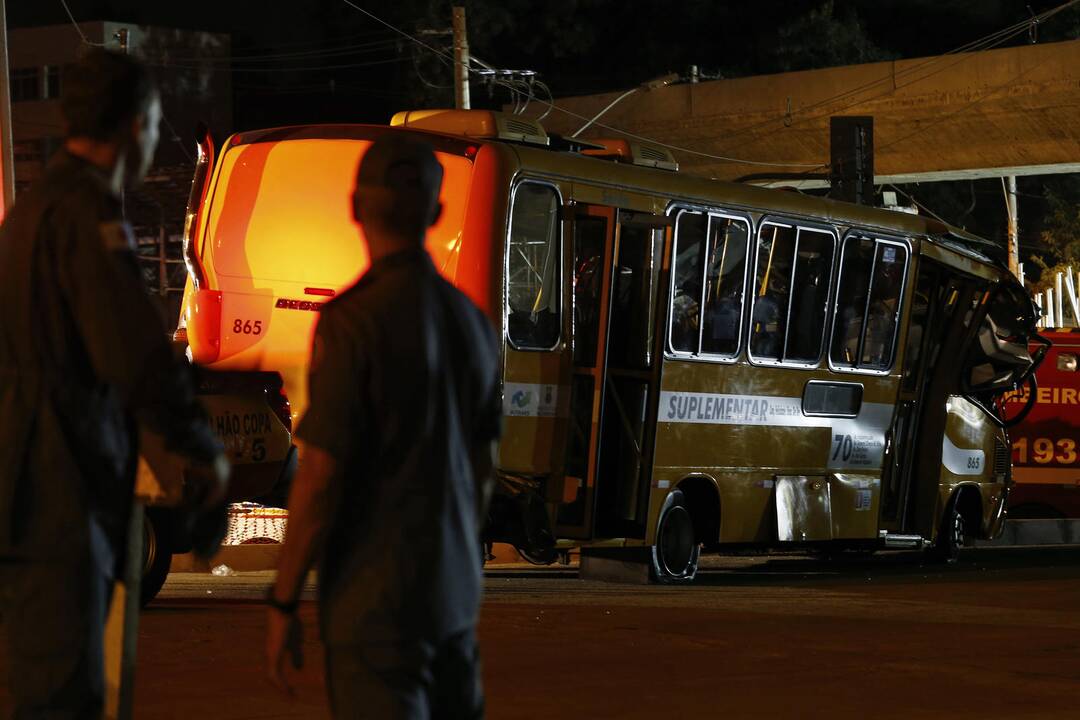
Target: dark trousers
53	615
408	681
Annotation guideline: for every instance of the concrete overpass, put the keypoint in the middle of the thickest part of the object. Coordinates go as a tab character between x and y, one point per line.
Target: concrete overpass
1013	111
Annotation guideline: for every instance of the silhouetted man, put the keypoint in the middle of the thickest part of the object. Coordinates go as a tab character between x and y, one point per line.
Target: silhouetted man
395	467
83	357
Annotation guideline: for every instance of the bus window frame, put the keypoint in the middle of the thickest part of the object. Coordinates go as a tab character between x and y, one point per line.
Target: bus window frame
710	211
561	270
830	297
904	242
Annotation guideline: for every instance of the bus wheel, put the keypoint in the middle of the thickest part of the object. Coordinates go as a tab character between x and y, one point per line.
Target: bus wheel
157	557
952	537
676	552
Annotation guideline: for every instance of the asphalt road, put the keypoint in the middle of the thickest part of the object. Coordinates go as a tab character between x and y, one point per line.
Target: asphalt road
997	636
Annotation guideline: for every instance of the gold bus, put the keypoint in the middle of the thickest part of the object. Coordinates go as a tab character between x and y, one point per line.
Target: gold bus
687	364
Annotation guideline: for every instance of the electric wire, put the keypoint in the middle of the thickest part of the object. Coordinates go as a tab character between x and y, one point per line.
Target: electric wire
339	51
177	139
275	70
78	29
918	204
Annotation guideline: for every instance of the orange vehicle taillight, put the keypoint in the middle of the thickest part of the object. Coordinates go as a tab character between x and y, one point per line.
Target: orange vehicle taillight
204	326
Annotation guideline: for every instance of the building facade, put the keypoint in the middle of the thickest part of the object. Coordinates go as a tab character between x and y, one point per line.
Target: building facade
193	72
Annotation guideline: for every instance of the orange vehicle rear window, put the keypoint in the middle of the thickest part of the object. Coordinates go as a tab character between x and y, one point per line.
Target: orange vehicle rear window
281	212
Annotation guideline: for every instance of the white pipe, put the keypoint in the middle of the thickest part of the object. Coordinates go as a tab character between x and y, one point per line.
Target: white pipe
1041	322
1059	301
1074	302
1050	308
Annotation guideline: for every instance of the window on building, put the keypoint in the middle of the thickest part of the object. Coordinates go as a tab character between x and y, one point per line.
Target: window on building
791	290
532	292
868	303
52	82
25	84
709	277
26	151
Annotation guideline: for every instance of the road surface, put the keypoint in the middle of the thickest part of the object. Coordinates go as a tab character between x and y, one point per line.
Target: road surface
997	636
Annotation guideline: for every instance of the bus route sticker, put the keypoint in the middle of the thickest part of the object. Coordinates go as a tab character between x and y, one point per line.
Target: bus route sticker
859	442
530	400
855	443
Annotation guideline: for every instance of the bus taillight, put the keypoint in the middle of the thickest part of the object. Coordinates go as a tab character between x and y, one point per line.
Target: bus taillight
204	326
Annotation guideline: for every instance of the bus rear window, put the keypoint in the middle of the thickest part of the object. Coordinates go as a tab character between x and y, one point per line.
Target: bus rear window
282	211
868	303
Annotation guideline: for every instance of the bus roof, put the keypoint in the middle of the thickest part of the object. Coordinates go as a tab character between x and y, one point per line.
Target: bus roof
949	241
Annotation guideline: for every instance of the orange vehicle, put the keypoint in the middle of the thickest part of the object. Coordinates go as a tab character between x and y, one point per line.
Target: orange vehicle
1046	443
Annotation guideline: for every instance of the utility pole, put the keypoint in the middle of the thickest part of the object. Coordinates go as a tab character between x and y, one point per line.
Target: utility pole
7	157
461	60
1014	225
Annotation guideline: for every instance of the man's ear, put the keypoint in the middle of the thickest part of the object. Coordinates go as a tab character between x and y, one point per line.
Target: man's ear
436	213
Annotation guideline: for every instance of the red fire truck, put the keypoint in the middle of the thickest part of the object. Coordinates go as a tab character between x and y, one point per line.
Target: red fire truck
1046	442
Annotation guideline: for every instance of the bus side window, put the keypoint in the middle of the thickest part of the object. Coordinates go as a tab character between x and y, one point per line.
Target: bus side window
868	301
687	273
532	287
725	273
882	312
809	301
772	291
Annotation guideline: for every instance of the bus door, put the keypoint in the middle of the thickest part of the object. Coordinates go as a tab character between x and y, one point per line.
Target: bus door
937	328
616	259
536	354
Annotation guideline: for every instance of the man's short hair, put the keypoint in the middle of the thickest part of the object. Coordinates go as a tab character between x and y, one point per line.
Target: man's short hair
102	91
389	155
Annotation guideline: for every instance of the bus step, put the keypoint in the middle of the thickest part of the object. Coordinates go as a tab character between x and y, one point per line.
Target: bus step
904	541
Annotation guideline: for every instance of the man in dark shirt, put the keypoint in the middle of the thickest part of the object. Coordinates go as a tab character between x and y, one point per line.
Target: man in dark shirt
395	468
83	357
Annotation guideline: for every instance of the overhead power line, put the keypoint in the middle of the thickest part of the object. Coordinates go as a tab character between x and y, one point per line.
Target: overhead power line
78	29
339	51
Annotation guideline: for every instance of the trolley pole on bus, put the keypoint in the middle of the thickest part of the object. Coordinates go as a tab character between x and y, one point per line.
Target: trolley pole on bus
461	60
1014	225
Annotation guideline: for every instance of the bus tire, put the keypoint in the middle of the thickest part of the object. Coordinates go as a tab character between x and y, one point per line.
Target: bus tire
157	556
674	557
953	534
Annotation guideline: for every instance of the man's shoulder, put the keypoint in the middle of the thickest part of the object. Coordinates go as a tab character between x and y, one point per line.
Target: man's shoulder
462	304
350	301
